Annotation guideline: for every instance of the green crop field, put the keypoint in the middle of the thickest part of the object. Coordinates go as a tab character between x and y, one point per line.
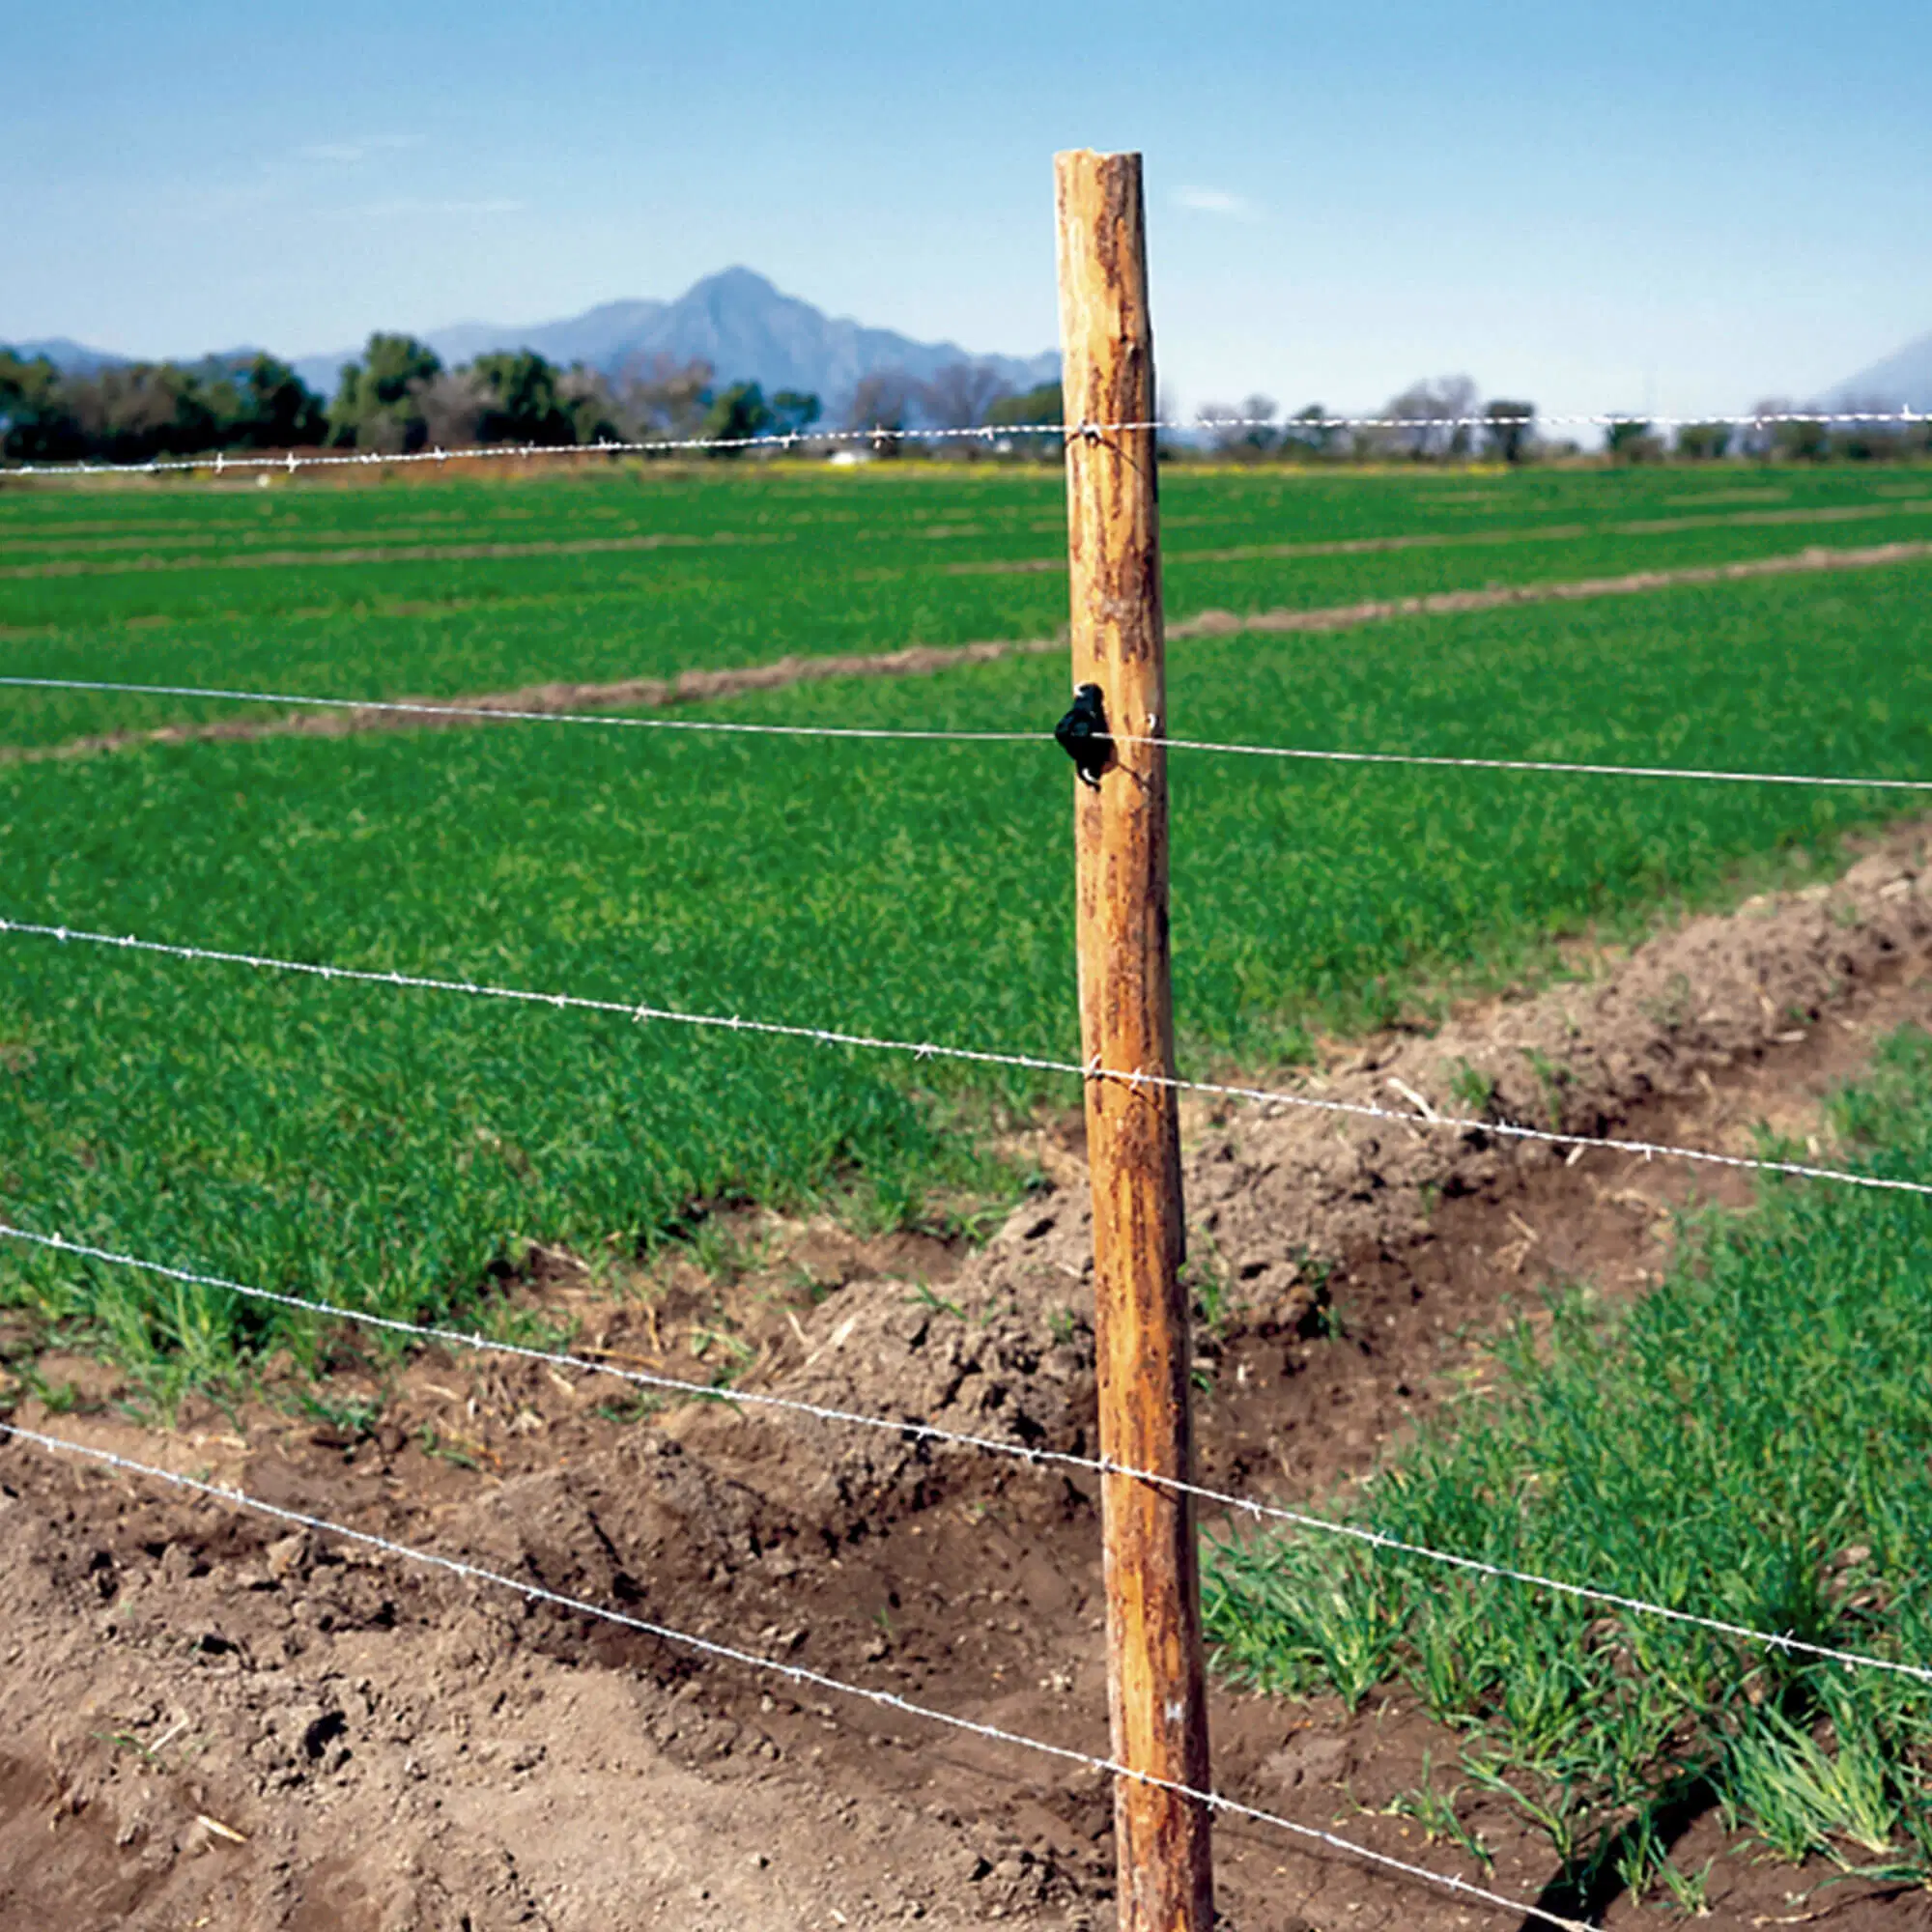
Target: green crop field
1747	1441
385	1148
473	587
1750	1443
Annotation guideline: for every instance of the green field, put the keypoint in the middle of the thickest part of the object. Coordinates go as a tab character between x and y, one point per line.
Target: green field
381	591
386	1147
1750	1443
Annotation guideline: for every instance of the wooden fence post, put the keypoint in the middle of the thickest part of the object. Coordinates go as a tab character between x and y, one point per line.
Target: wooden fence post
1155	1683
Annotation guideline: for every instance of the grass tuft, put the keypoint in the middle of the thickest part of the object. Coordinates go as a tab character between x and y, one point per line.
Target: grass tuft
1751	1442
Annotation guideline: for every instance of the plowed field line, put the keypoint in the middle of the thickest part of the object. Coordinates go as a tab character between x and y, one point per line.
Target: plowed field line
463	553
1648	526
925	660
286	557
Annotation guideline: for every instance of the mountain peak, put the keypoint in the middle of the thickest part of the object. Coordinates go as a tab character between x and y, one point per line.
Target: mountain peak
1902	380
738	321
736	280
74	359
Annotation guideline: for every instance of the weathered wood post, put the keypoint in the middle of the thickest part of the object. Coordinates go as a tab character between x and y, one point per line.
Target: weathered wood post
1133	1145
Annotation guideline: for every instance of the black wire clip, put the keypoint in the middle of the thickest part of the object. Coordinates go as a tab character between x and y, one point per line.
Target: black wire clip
1084	737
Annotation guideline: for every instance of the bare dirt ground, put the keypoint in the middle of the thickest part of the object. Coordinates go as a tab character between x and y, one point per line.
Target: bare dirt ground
206	1720
693	687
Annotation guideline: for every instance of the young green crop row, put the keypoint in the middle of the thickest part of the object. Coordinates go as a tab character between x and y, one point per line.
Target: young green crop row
1750	1442
909	501
386	592
385	1148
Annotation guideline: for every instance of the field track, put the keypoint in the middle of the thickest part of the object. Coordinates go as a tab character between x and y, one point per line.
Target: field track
1382	546
456	553
256	558
926	660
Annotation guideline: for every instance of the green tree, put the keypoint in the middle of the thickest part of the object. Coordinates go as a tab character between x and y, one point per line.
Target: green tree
1510	427
736	414
36	422
1801	441
1308	431
1703	442
378	402
128	412
276	410
131	412
521	403
794	412
1629	439
1869	437
1042	405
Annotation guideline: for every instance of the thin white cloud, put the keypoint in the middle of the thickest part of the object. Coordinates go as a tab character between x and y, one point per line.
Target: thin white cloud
343	154
384	211
1213	201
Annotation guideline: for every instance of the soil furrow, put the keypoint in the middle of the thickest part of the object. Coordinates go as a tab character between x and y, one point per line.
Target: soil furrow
1573	532
289	559
927	659
1502	596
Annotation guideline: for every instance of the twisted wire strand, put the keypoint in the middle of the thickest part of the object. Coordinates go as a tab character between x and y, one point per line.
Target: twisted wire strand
619	722
989	434
796	1673
975	1056
1555	766
429	708
908	1430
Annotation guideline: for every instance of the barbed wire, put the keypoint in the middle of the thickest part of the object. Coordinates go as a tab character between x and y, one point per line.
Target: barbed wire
1598	420
429	708
910	1430
1551	766
978	1056
616	720
796	1673
989	434
785	442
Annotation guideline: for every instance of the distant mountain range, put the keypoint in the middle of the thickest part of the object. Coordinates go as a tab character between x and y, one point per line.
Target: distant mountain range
751	331
70	357
747	329
1902	381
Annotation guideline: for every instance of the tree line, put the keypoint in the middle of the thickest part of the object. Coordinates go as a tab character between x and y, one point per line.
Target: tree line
399	398
128	412
1447	420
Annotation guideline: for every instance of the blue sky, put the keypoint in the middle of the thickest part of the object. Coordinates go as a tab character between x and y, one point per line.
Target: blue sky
1668	207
